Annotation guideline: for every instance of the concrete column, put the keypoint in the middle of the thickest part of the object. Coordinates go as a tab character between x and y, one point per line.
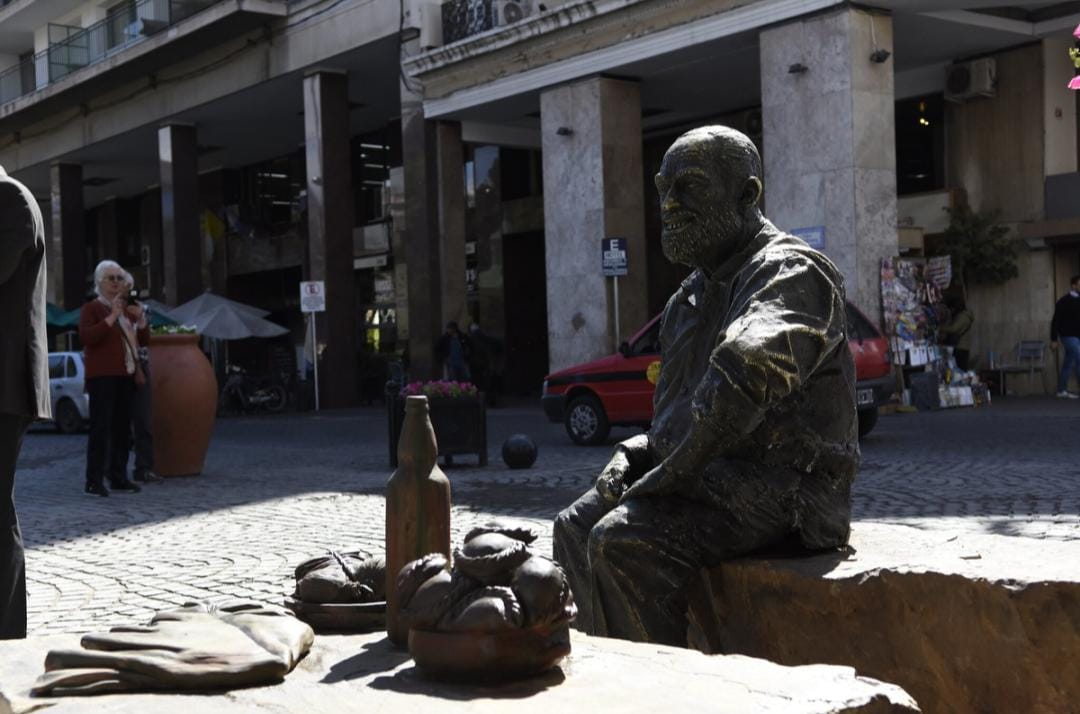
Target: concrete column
181	242
487	229
150	234
67	242
1059	108
450	156
829	140
421	237
108	230
591	139
330	226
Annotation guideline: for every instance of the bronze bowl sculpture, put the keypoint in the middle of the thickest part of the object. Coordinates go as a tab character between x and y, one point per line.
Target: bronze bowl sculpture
503	612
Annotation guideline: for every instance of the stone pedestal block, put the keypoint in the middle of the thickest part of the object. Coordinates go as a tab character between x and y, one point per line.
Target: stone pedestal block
964	622
364	673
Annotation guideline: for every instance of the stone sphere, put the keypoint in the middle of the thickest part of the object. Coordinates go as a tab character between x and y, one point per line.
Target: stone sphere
519	452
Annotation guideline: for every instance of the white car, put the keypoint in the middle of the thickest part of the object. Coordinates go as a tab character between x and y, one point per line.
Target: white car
70	403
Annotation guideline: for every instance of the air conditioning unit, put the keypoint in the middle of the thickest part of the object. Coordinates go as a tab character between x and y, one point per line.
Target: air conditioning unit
968	80
431	32
144	27
507	12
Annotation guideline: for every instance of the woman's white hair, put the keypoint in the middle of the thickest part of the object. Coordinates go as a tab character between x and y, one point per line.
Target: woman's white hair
99	272
129	280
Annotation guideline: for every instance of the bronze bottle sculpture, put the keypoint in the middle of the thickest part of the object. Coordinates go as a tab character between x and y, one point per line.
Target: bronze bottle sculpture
417	507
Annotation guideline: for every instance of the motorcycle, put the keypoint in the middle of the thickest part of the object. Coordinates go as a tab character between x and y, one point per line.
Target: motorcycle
244	393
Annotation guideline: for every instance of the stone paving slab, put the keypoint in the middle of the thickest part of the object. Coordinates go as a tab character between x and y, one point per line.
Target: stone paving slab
362	673
277	490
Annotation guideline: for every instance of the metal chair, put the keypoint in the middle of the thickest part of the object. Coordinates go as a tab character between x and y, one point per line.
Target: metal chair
1029	356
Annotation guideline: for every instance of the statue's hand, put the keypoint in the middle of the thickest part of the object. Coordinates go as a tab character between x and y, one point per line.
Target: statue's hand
673	474
656	482
612	481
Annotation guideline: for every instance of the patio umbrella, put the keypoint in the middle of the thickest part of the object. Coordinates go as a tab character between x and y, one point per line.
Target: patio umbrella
160	315
206	303
226	322
59	317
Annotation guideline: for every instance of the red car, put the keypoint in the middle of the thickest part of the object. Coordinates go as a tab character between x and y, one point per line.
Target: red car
617	390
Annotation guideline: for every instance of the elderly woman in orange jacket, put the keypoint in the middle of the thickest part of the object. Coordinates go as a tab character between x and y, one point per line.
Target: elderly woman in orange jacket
111	332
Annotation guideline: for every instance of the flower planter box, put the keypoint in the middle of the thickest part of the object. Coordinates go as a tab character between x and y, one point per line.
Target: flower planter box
460	425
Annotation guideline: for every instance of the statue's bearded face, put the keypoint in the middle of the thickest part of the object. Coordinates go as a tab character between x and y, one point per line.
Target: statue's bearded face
702	219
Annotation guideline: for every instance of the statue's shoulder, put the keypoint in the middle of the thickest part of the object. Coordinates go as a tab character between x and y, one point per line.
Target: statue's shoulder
780	247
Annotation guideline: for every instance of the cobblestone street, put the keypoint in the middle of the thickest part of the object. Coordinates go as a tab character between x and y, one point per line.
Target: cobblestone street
277	490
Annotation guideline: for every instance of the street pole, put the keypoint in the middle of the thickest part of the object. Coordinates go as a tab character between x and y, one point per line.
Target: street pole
616	291
315	358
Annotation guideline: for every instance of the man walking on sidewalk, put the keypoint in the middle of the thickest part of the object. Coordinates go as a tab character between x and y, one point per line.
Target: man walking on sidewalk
1066	326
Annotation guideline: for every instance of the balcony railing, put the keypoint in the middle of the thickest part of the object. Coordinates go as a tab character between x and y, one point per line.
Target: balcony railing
72	48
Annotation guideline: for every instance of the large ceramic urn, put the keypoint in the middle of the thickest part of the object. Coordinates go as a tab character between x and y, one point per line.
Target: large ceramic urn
184	402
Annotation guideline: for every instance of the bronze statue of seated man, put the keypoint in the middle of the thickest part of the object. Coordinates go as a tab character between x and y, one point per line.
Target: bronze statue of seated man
754	434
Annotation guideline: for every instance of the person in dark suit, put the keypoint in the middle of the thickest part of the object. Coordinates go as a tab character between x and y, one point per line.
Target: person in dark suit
24	376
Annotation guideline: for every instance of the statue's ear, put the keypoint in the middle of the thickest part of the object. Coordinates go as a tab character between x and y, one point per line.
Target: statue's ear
751	192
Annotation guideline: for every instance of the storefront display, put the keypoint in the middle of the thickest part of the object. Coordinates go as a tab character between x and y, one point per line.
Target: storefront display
914	310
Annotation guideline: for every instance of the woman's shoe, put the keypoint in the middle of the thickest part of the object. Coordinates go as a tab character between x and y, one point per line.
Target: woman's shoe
96	490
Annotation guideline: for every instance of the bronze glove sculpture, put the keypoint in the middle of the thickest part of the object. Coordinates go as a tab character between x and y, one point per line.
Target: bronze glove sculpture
753	439
196	647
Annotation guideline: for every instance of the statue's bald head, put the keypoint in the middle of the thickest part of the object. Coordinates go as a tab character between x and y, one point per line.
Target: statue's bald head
732	153
710	185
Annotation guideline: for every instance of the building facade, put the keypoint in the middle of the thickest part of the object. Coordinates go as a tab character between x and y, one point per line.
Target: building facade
463	160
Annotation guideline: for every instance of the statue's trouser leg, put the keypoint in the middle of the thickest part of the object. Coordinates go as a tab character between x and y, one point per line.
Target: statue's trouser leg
645	553
571	535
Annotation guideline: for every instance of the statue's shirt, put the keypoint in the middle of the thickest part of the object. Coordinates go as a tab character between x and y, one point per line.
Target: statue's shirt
755	362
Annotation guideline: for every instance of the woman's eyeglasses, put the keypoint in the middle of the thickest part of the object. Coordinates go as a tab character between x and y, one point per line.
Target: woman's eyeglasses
114	278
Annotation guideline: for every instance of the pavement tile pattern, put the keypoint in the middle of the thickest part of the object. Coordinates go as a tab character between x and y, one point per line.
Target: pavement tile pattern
279	489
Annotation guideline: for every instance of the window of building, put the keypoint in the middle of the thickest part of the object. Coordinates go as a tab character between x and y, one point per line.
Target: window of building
269	195
27	76
371	172
521	173
920	144
373	154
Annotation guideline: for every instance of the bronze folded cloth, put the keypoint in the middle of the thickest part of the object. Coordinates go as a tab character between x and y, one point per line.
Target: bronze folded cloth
196	647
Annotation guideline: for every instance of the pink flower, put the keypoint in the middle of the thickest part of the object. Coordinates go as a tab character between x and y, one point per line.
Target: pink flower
1074	83
439	388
